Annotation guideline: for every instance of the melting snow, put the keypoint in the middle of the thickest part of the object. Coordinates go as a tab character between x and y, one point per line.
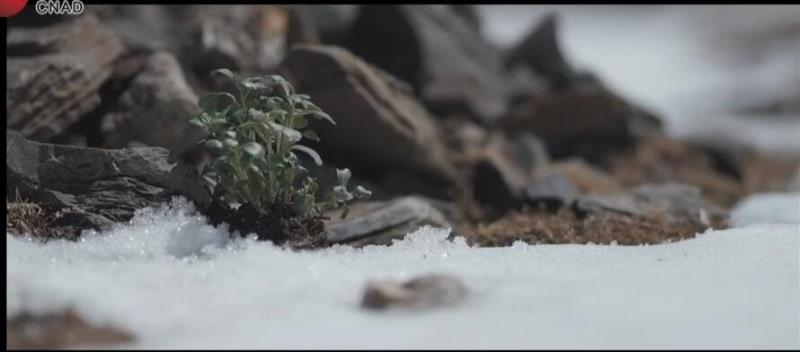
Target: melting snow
176	282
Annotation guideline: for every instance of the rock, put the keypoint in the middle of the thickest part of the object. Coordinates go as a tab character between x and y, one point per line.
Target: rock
332	22
591	123
676	202
425	292
498	182
96	187
587	178
60	330
402	135
659	160
470	14
143	29
650	214
379	223
540	51
240	38
155	109
301	28
553	190
438	52
55	73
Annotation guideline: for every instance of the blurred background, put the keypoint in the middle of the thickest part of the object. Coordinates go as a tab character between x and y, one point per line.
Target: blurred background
731	71
466	104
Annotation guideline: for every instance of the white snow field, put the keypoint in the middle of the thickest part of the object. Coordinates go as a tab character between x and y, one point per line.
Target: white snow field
175	282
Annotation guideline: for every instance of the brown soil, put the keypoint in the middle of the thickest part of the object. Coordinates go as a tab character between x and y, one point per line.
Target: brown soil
31	218
59	331
564	226
278	223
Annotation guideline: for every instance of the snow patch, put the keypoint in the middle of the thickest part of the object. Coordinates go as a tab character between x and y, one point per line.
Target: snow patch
176	282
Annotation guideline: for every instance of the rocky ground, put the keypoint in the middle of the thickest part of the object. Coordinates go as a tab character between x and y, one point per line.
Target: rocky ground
448	129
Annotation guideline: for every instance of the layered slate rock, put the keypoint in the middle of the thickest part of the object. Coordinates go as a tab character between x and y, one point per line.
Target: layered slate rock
380	128
93	188
438	51
380	223
155	109
55	73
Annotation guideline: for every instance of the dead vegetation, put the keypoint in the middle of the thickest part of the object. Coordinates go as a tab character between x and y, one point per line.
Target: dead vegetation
26	218
564	226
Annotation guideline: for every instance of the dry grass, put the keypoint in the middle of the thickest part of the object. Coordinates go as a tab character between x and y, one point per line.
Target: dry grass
541	227
25	218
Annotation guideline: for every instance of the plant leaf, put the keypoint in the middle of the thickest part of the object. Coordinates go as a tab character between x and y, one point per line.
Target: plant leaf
254	149
213	144
224	72
361	192
343	175
216	102
309	134
320	115
310	152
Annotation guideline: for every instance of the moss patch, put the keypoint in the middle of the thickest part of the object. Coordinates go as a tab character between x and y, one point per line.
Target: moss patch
564	226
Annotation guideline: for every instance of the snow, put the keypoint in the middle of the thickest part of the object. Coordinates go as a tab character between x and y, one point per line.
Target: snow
176	282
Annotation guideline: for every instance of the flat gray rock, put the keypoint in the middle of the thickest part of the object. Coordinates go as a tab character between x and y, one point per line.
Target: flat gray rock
96	187
383	222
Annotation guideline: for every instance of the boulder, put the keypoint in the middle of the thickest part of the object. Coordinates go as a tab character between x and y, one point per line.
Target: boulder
424	292
437	50
591	123
94	188
379	223
379	126
155	109
55	73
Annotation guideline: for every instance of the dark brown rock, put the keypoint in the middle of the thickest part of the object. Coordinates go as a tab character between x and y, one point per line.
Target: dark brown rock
379	126
590	123
425	292
55	72
436	50
498	181
155	109
94	188
540	51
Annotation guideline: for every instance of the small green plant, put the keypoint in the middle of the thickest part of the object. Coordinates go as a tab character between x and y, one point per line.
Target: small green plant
254	137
